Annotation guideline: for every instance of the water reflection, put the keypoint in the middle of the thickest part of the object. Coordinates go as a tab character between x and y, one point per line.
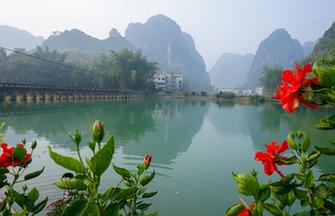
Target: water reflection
195	145
140	127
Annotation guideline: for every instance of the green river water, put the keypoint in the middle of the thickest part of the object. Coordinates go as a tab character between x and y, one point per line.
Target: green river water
195	146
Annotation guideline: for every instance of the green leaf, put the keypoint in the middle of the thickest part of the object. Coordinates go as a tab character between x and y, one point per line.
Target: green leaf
326	151
326	123
246	184
291	198
330	177
122	172
273	209
3	170
310	180
325	73
102	159
332	141
75	209
91	209
67	162
149	194
322	191
71	183
127	193
300	194
144	206
91	145
264	193
24	212
306	142
147	179
40	206
291	141
287	161
234	210
33	174
318	203
19	152
313	155
33	195
112	210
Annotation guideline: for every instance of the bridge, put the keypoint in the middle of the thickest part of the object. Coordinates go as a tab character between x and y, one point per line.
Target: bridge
20	92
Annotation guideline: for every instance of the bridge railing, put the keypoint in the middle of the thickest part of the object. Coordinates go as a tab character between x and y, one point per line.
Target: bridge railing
23	86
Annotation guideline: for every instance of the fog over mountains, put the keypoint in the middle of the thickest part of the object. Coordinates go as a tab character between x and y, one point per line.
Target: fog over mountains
11	38
163	41
230	70
278	49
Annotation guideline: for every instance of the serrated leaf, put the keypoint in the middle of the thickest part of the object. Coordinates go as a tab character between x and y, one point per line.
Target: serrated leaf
306	142
322	191
122	172
75	209
300	194
326	123
33	195
264	194
71	183
234	210
102	159
318	203
246	184
326	151
40	206
291	141
313	155
144	206
273	209
149	194
112	210
67	162
33	174
310	179
126	193
147	179
330	177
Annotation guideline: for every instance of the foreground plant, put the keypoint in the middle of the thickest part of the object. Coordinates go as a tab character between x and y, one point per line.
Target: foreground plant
84	196
136	205
310	193
13	163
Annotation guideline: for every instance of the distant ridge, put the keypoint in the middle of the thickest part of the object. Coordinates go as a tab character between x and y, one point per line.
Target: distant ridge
11	37
279	48
162	40
230	70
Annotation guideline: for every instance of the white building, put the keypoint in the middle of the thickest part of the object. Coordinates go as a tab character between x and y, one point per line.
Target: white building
243	92
168	81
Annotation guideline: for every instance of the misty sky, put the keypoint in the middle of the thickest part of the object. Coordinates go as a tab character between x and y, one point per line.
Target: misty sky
217	26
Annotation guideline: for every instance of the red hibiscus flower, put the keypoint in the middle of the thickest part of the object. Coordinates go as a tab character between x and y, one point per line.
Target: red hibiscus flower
291	88
271	157
7	157
247	211
147	160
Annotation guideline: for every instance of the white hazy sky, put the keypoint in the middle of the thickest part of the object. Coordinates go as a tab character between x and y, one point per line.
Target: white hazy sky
217	26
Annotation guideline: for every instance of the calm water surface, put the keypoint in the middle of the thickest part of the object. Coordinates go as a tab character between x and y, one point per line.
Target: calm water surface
195	146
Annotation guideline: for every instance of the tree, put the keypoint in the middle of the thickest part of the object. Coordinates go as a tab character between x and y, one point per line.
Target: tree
271	77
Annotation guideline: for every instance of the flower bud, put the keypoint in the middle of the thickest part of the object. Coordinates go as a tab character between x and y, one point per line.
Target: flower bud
98	131
76	137
147	161
33	144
